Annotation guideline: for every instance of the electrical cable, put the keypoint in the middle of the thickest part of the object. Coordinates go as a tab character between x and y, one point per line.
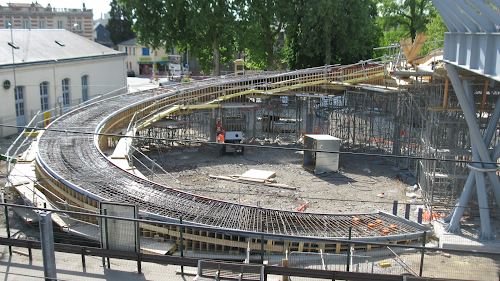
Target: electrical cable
258	146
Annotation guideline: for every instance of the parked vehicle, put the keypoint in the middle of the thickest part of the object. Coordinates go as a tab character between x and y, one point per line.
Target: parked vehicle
130	73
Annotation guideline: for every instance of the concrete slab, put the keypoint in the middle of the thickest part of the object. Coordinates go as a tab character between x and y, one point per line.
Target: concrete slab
69	267
462	242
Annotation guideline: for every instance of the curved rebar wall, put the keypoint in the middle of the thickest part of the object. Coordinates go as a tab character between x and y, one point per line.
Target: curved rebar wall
76	161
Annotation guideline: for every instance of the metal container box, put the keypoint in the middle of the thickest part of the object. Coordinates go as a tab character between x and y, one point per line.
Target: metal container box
321	162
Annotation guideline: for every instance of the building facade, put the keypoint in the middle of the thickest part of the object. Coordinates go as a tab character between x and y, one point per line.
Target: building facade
35	16
53	69
145	61
102	36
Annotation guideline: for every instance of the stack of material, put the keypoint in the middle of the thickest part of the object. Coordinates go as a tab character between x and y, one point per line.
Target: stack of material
255	176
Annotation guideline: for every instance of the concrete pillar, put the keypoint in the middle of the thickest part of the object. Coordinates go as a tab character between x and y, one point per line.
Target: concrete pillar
47	240
213	125
309	117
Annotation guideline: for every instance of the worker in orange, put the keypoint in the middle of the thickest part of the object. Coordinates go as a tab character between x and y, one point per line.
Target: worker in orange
220	138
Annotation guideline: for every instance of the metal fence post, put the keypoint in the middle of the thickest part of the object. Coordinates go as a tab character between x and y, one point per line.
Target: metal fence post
395	208
419	217
349	250
423	252
7	223
262	244
407	211
106	232
182	244
47	241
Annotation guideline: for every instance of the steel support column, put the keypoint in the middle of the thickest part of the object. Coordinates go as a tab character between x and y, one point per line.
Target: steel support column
480	154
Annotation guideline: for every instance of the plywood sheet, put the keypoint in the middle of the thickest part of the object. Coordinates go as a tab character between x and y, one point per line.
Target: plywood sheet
259	174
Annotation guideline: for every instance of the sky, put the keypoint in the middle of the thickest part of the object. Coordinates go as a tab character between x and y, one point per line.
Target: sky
98	6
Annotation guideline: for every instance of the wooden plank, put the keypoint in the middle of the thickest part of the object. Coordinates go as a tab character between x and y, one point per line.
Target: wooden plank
417	46
280	185
363	79
405	46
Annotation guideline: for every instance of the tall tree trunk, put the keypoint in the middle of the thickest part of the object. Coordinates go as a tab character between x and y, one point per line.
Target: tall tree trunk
413	7
328	41
270	54
216	61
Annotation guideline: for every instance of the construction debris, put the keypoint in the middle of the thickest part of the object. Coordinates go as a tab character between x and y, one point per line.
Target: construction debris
258	177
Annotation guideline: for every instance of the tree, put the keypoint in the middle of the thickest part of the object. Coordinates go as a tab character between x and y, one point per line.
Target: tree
409	16
260	24
435	29
328	32
205	27
119	24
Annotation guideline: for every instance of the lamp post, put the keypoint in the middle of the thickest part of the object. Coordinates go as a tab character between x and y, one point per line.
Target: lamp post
13	47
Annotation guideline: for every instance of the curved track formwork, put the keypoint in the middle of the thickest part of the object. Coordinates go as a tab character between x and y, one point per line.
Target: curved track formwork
76	168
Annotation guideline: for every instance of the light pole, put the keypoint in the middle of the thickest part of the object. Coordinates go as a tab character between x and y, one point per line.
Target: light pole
13	61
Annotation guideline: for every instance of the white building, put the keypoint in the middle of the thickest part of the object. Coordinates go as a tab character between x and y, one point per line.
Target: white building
52	68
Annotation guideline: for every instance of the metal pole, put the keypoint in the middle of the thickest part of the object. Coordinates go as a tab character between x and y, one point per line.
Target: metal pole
395	208
262	244
182	244
407	211
423	252
106	233
7	223
349	250
47	241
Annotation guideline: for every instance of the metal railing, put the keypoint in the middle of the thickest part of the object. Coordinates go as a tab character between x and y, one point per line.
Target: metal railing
175	239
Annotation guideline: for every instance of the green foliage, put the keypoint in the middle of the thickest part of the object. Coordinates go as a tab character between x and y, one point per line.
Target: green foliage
186	80
435	29
206	27
120	23
407	16
260	23
329	32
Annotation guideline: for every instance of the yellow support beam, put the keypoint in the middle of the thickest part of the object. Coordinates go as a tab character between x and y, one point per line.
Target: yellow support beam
158	117
296	86
368	78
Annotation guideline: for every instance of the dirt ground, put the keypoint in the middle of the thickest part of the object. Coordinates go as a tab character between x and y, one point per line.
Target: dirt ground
362	185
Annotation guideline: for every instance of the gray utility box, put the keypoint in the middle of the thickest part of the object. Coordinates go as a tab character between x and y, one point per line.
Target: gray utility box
234	137
321	162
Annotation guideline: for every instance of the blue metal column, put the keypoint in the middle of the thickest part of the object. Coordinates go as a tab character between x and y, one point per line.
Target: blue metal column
480	154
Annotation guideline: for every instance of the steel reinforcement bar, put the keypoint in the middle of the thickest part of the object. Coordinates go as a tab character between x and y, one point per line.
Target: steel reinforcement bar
73	166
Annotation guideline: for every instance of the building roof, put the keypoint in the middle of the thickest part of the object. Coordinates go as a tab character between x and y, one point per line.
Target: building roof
130	42
25	5
48	45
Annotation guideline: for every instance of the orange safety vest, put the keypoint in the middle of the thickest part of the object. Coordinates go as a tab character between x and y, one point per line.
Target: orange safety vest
220	138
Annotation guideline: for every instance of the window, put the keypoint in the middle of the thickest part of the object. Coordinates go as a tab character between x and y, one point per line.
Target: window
19	96
133	50
85	88
26	24
19	99
65	92
173	53
79	27
7	24
126	50
145	51
41	24
60	24
44	96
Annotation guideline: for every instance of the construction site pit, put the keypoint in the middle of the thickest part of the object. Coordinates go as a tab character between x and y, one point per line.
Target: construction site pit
363	184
